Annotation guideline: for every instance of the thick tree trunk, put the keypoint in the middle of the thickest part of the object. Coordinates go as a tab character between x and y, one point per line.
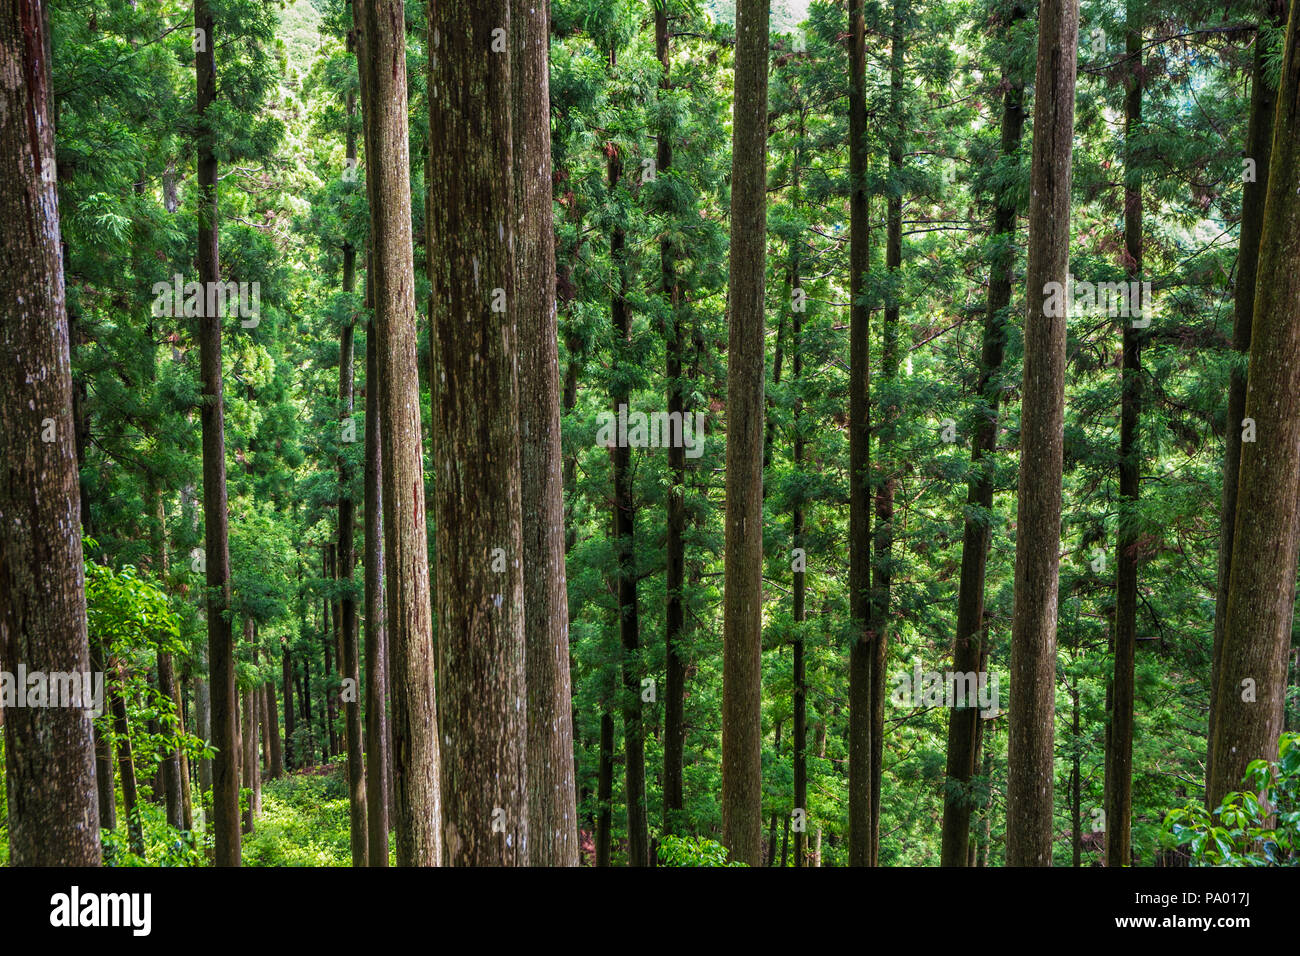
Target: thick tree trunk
350	662
743	591
378	755
414	714
862	653
1250	698
1031	775
1120	753
477	308
552	802
1259	147
963	721
221	644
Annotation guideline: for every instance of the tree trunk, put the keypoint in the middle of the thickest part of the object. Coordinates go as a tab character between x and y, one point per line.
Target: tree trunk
350	662
552	802
1250	700
221	644
272	730
605	788
414	716
286	683
964	720
675	547
1259	146
1030	774
799	678
477	308
1120	754
883	544
125	760
743	590
378	755
171	764
862	653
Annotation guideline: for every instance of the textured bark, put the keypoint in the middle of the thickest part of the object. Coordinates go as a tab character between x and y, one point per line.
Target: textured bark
675	546
552	802
862	653
349	661
605	788
125	759
1030	776
638	849
1259	147
290	715
171	763
378	755
799	677
414	713
883	541
271	727
476	426
1120	752
743	591
248	745
221	645
963	721
1261	589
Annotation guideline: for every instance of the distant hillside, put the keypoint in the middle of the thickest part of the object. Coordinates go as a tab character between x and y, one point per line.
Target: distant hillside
300	31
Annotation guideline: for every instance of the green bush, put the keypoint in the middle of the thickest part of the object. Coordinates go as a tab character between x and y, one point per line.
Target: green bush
692	851
1245	830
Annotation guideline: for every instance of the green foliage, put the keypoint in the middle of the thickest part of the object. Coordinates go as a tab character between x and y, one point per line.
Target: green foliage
692	851
1256	826
304	822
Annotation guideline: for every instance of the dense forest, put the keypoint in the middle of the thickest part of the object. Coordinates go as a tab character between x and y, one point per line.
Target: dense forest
649	433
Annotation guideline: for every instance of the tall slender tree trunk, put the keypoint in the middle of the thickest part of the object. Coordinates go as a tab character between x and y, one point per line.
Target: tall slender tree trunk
552	800
221	644
883	544
675	546
742	668
605	788
862	653
799	677
638	835
378	755
1120	754
350	662
290	715
272	730
477	308
125	760
1250	698
414	715
963	720
1254	189
1031	775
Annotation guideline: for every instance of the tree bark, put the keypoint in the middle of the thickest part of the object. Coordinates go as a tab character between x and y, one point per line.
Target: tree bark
414	714
743	590
221	644
1030	776
1259	146
862	653
552	801
964	720
1120	754
272	731
477	308
1261	589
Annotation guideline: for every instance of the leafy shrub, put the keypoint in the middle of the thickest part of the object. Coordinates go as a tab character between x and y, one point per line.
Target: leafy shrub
692	851
1245	830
